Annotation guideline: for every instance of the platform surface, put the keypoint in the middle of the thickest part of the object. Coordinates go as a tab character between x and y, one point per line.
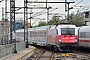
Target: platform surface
14	56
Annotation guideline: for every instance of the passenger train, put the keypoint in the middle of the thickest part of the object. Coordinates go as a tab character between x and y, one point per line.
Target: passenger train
63	37
84	37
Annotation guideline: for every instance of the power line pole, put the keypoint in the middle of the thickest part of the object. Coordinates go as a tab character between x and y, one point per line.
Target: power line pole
47	12
26	23
68	10
2	25
30	18
12	25
65	5
6	25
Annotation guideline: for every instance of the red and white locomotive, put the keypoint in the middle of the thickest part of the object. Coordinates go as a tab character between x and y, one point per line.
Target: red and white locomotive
63	37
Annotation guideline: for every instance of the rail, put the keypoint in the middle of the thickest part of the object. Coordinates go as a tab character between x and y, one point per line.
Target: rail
27	55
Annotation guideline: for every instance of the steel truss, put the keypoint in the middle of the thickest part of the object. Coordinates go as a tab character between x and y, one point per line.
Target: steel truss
26	23
12	25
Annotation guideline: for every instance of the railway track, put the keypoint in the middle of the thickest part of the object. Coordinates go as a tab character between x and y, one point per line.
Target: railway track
41	54
80	55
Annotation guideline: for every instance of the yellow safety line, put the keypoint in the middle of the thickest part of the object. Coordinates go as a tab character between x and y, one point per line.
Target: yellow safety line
25	54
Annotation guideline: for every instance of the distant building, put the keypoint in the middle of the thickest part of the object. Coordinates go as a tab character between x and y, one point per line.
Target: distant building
87	17
19	25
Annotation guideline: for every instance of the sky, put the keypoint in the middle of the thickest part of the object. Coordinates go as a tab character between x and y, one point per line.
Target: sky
60	10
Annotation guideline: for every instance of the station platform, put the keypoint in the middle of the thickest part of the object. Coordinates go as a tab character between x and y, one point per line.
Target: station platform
15	56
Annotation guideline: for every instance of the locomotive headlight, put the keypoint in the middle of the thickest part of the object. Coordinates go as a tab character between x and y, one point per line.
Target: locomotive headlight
75	40
60	39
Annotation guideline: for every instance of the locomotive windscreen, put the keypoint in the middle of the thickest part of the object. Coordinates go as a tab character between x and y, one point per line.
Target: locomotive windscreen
67	31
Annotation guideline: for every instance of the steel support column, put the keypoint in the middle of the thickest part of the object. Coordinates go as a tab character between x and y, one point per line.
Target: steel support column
68	10
2	25
6	25
12	25
26	23
30	18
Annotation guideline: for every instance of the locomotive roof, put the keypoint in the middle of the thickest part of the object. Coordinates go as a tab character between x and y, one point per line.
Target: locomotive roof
64	26
85	29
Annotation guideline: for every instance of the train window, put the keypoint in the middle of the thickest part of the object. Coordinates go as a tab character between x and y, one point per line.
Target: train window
36	33
86	14
87	35
40	33
82	34
67	31
31	34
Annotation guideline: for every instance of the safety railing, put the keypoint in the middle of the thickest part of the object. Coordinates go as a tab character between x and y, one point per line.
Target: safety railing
27	55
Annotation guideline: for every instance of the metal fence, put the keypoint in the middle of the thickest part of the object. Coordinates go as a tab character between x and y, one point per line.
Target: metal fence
7	49
20	46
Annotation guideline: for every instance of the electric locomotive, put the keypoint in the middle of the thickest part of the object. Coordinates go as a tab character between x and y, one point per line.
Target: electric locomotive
65	37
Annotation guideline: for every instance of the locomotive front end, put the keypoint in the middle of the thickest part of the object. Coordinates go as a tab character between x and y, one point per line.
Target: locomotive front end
67	38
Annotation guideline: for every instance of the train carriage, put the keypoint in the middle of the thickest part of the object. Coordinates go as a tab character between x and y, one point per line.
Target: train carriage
19	35
84	36
31	35
41	35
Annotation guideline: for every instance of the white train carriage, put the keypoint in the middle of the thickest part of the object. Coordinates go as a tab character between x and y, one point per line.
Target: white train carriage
38	36
84	36
20	35
31	35
41	35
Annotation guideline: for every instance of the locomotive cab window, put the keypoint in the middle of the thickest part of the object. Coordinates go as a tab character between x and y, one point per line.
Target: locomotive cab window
67	31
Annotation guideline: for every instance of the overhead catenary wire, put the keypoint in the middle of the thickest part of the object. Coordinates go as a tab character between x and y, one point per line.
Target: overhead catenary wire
77	3
43	13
